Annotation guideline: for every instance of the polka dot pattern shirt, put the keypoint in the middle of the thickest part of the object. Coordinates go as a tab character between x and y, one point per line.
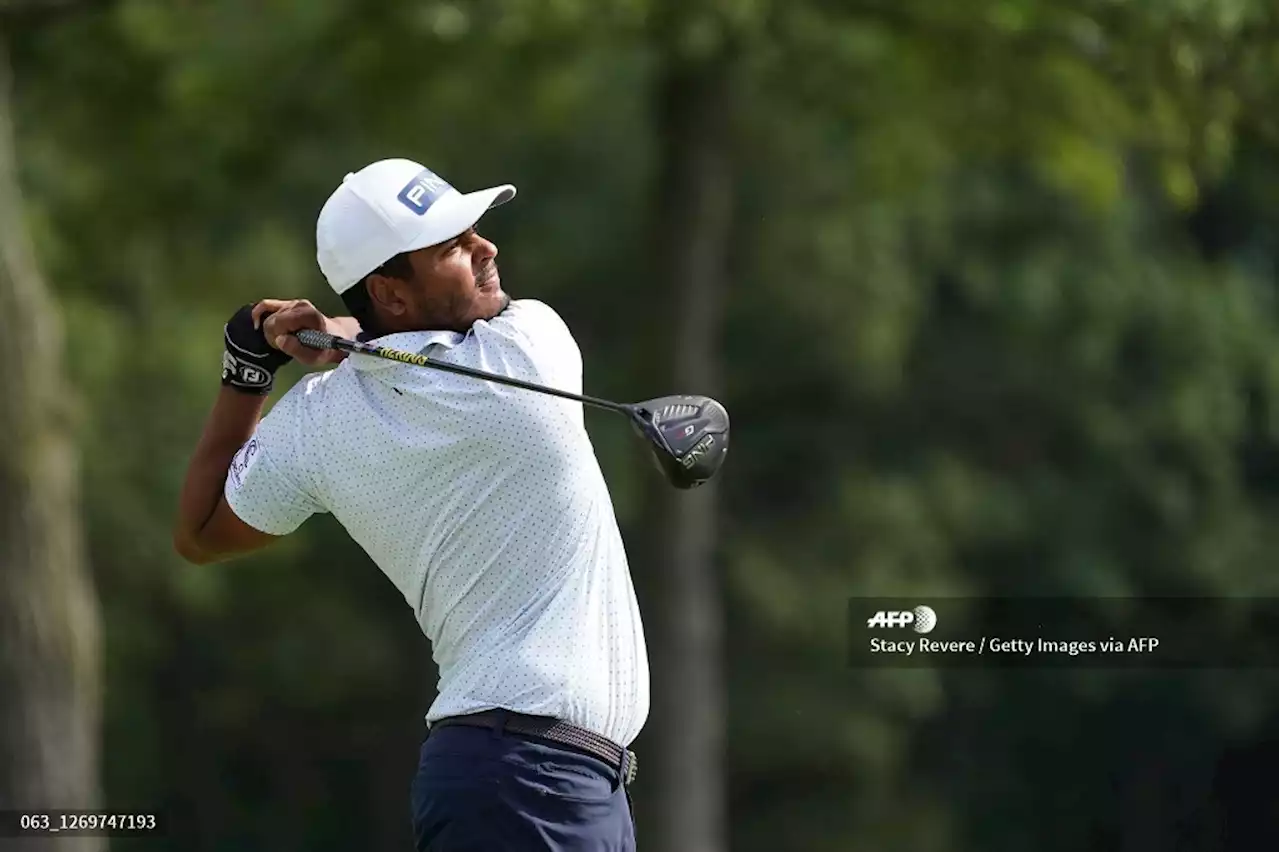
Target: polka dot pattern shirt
483	504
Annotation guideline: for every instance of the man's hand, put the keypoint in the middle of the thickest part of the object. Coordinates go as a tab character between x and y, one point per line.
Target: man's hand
249	363
279	319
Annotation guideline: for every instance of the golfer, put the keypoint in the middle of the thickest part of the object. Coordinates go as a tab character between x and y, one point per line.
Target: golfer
483	504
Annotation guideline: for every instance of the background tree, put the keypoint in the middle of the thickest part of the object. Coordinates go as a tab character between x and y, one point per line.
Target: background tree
49	645
680	579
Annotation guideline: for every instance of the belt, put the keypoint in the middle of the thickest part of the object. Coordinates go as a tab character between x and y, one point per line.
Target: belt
547	728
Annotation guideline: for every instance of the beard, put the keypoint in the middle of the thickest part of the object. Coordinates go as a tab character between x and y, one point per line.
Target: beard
460	313
494	306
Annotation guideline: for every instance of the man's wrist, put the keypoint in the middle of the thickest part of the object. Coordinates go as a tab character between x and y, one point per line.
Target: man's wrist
245	377
249	362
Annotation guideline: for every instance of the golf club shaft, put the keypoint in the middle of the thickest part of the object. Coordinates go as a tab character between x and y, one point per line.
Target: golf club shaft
323	340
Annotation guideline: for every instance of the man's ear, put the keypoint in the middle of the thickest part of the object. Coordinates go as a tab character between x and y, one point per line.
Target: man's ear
388	294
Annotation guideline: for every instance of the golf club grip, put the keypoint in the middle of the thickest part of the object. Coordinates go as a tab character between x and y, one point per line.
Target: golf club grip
313	339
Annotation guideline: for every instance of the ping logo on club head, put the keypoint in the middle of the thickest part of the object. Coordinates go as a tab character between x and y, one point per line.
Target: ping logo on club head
699	449
421	192
922	619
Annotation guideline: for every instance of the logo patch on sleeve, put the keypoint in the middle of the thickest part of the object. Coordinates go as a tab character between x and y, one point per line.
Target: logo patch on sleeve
242	461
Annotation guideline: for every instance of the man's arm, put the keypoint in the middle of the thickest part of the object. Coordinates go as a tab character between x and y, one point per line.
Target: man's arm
207	529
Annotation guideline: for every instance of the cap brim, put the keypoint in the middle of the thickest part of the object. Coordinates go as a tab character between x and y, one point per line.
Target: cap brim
455	213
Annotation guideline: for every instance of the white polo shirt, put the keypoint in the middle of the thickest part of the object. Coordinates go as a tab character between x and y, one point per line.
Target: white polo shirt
483	504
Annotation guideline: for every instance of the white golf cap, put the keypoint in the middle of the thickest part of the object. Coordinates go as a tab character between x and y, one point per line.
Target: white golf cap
389	207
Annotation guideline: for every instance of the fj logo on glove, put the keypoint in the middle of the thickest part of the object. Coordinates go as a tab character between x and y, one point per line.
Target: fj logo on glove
249	363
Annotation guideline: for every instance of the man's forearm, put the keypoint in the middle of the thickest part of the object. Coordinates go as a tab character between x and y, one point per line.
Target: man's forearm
231	422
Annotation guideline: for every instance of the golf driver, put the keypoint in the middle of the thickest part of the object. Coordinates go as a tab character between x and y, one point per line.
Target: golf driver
689	435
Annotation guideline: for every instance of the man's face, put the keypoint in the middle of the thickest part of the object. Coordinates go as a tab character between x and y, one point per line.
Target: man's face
454	284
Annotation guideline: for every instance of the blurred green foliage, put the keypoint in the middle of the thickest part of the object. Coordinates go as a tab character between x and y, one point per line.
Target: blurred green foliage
1002	321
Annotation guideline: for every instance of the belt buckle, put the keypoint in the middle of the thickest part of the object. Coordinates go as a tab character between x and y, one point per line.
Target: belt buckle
628	766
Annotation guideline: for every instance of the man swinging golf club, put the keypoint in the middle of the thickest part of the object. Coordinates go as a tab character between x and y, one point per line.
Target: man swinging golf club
484	504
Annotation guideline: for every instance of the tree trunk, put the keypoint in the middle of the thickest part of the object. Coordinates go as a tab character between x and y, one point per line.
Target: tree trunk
685	789
49	642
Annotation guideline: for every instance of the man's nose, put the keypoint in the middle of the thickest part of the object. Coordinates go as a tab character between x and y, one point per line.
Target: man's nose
484	249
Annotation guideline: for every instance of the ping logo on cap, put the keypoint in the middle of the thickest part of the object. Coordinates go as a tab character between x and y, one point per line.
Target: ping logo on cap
421	192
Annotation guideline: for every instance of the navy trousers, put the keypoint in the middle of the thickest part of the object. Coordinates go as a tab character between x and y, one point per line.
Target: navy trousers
486	790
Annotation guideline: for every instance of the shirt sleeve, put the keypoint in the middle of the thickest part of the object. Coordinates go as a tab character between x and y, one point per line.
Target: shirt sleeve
269	486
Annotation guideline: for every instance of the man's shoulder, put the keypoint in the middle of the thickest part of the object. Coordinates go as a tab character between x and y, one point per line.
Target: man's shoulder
536	329
532	311
533	319
306	396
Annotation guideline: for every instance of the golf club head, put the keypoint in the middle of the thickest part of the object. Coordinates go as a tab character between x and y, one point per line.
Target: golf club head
689	436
